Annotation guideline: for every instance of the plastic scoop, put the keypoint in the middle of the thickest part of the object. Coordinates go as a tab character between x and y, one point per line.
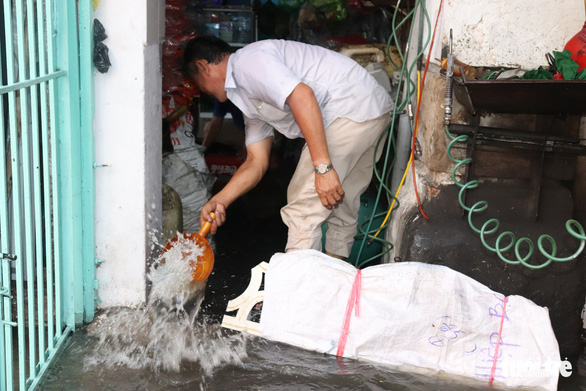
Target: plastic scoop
203	265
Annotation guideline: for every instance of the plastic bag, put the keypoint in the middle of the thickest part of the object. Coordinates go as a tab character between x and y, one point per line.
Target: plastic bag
100	57
99	31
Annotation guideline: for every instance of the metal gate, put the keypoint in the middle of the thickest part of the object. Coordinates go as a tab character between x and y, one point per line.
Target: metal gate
46	182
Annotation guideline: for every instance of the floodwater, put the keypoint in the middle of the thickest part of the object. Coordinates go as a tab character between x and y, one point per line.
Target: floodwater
227	360
262	365
162	347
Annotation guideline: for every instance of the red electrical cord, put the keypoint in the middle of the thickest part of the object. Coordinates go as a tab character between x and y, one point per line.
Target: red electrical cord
418	111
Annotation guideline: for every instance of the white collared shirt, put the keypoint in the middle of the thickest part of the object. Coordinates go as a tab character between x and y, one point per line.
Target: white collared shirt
262	75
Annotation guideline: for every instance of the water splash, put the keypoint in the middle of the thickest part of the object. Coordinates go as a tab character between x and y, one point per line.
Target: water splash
171	276
165	333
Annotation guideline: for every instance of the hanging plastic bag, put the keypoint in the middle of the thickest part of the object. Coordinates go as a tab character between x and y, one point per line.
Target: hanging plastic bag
101	57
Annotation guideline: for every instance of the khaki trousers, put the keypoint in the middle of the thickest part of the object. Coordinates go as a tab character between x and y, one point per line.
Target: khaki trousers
351	146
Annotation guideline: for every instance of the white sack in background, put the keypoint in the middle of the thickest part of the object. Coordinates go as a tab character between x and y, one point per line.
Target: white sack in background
184	145
413	316
194	157
193	187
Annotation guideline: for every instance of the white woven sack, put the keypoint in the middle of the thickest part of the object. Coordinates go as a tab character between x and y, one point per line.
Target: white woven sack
412	316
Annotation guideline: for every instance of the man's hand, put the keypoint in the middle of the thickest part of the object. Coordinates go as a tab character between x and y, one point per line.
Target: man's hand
329	189
220	211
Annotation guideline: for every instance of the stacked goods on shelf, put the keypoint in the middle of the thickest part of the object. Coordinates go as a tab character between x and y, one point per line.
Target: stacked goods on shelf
178	90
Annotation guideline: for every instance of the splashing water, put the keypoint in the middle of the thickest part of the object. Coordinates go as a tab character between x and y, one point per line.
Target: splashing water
171	276
164	333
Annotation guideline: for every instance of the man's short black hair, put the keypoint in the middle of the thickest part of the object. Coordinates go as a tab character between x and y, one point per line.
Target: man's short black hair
204	47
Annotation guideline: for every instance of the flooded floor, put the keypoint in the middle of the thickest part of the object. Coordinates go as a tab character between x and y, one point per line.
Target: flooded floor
219	359
268	366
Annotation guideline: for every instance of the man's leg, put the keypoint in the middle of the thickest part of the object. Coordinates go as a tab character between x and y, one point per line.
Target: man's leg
343	220
304	214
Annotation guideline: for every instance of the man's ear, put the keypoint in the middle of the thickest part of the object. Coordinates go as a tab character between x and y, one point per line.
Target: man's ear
202	66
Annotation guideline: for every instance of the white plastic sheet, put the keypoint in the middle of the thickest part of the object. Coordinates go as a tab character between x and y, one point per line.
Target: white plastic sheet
412	316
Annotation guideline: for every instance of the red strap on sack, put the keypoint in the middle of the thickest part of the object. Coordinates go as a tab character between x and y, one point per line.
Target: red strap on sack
353	303
498	342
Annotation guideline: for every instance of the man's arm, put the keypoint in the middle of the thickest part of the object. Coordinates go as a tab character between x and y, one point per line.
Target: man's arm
307	113
246	177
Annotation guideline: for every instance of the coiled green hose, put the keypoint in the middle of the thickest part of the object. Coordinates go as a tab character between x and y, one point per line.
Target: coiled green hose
491	226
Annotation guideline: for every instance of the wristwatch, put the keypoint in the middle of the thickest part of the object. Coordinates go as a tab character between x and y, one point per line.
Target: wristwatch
323	168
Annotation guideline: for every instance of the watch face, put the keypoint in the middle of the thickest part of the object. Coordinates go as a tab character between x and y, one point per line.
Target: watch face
323	168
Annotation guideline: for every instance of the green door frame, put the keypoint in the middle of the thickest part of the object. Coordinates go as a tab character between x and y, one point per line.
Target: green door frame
76	157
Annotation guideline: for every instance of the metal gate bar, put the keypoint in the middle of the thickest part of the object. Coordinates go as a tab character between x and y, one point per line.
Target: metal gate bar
54	317
38	162
53	280
26	121
16	186
47	128
5	278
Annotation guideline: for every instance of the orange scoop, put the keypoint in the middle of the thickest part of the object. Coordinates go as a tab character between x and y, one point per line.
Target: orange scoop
204	264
